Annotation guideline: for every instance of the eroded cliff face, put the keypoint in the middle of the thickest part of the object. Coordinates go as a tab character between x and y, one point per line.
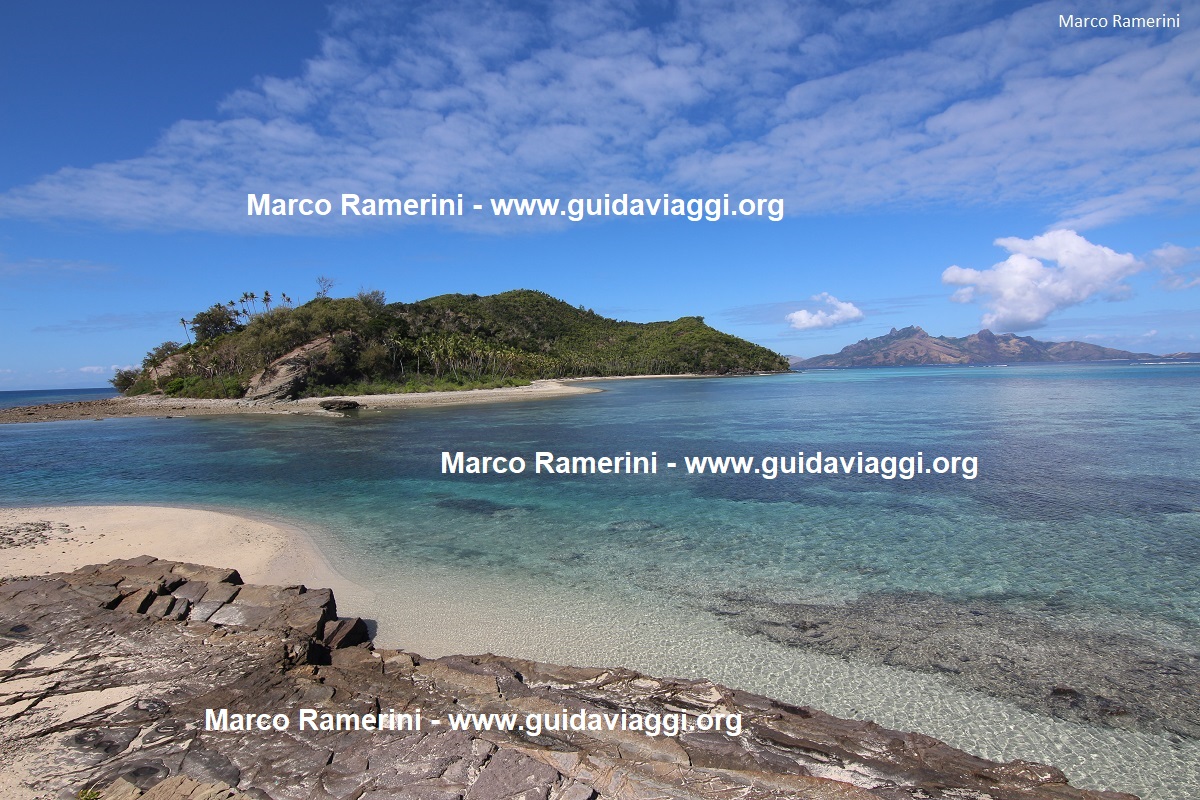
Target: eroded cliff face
107	676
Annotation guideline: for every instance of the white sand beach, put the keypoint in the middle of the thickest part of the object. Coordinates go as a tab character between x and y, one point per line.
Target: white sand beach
538	390
44	540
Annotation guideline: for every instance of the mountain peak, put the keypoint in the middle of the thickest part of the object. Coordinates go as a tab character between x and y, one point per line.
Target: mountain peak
912	346
911	330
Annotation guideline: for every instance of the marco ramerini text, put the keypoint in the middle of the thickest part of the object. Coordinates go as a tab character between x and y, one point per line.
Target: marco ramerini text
1119	21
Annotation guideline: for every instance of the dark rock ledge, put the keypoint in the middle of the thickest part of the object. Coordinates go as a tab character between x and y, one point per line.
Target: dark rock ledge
105	674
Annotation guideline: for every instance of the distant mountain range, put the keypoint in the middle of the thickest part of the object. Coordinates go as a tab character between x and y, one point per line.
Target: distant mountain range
912	346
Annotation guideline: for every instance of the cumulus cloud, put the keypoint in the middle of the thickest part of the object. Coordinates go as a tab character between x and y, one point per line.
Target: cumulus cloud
834	109
1022	291
95	370
835	312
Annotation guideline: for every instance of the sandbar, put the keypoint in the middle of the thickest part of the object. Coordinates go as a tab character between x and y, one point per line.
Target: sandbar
161	406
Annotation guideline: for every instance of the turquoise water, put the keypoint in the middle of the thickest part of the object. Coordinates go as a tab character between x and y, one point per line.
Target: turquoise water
1085	510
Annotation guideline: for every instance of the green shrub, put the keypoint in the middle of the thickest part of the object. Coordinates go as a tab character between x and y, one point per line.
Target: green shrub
125	379
204	388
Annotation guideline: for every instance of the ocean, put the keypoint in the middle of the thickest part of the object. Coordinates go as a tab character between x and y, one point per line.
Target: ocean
1079	533
36	397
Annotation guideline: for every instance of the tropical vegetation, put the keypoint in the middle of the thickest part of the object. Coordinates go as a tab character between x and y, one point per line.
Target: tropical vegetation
448	342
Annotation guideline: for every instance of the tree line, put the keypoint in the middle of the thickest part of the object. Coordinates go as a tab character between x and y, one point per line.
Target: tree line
446	342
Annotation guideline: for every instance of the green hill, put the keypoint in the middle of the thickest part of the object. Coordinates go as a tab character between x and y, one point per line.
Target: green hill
364	345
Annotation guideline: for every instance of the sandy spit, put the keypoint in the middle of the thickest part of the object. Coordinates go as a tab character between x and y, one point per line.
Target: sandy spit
44	540
160	406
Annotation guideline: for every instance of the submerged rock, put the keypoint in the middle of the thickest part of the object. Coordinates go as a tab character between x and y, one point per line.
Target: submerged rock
1084	676
625	525
98	691
475	505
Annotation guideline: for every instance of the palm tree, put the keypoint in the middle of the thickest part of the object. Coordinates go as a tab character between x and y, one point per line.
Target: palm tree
266	298
183	322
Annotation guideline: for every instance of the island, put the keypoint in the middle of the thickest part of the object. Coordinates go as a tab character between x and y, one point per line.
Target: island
265	355
912	346
363	345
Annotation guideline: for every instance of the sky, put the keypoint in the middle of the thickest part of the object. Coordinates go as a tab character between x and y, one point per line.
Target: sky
953	165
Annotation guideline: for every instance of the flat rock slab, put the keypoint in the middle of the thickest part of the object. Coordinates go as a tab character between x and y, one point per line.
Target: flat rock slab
146	707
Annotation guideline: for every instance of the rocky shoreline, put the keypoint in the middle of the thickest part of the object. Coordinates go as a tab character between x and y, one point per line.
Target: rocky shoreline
118	407
106	673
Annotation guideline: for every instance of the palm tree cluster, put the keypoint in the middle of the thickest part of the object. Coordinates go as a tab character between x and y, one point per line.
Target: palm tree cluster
246	306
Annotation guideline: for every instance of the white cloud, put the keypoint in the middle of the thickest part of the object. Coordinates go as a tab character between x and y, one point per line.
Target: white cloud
1022	291
43	268
1119	341
95	370
835	312
109	322
1171	258
905	103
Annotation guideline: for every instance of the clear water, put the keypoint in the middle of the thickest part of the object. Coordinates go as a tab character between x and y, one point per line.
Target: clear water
1087	502
34	397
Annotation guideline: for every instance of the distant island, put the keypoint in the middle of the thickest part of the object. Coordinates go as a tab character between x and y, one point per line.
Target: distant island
259	349
912	346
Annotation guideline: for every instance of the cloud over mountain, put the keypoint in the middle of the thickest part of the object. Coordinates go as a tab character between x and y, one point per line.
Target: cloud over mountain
836	312
1022	291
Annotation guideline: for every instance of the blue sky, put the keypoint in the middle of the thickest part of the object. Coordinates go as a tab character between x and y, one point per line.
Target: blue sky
950	165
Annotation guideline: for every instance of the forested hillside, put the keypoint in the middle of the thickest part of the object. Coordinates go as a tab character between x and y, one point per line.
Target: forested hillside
362	345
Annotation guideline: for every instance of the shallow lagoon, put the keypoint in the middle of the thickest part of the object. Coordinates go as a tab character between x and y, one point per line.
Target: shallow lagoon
1084	514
